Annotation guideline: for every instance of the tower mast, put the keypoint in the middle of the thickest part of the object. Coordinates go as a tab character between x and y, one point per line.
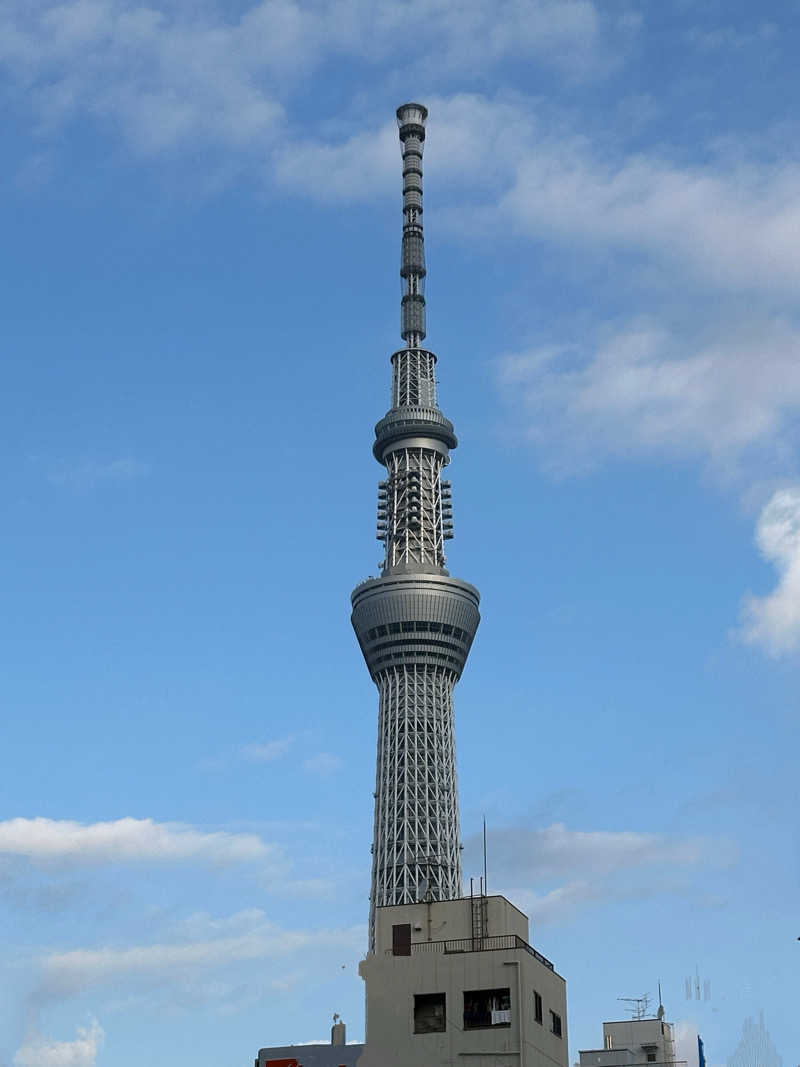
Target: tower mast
415	624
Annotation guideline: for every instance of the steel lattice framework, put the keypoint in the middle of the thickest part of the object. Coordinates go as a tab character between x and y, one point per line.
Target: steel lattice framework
415	624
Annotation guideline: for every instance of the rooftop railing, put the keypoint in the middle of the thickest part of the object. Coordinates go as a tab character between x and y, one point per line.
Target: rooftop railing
480	944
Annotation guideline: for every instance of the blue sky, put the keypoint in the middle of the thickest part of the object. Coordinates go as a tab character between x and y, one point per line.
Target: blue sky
201	217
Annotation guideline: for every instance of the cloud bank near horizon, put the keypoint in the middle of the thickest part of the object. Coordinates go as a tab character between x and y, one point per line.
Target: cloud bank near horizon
127	840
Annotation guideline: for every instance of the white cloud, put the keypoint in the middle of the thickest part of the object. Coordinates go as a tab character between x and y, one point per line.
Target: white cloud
725	400
555	872
127	840
245	936
557	852
91	474
733	224
563	903
170	74
323	763
730	37
558	904
160	76
267	751
44	1052
773	621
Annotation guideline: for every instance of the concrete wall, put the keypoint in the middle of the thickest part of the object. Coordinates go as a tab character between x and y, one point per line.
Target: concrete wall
618	1057
634	1034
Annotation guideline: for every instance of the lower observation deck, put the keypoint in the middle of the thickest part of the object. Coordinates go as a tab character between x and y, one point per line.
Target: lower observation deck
422	619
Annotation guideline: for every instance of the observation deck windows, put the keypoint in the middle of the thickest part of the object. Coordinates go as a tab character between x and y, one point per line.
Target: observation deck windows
417	626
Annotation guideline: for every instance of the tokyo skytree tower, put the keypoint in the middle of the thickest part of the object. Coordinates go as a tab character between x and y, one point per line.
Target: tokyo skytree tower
415	624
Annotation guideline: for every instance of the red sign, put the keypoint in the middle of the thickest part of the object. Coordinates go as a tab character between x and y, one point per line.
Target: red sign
281	1063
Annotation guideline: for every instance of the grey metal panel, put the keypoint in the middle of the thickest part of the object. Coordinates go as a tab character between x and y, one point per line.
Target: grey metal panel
407	422
412	599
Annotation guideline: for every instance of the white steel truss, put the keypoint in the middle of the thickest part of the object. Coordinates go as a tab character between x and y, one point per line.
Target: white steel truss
416	850
412	509
414	378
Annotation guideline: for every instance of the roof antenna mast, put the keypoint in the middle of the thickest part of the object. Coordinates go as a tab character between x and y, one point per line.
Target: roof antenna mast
485	871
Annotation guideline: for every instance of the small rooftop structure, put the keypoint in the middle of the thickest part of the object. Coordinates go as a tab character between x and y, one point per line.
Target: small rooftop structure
337	1054
636	1042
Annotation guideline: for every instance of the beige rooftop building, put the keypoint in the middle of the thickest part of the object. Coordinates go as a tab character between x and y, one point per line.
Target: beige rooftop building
638	1042
456	982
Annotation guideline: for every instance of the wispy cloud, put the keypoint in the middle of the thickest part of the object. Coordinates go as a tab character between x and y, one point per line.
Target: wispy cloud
267	751
246	936
556	872
564	903
652	391
731	223
164	76
732	37
555	852
127	840
323	763
773	621
82	1051
85	475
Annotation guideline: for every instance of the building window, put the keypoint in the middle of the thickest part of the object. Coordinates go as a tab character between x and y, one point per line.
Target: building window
401	939
429	1013
555	1024
651	1057
485	1008
537	1007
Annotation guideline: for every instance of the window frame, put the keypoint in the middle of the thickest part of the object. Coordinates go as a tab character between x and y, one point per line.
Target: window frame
500	993
538	1008
423	999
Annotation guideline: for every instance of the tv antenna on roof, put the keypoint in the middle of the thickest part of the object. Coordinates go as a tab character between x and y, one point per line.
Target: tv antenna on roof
639	1006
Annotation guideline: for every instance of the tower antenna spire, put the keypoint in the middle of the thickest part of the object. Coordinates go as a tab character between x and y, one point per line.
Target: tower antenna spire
411	121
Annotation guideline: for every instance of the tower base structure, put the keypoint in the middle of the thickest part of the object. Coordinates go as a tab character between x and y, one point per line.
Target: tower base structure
456	982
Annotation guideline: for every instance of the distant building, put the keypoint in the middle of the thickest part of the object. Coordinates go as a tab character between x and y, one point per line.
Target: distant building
755	1049
635	1043
337	1054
